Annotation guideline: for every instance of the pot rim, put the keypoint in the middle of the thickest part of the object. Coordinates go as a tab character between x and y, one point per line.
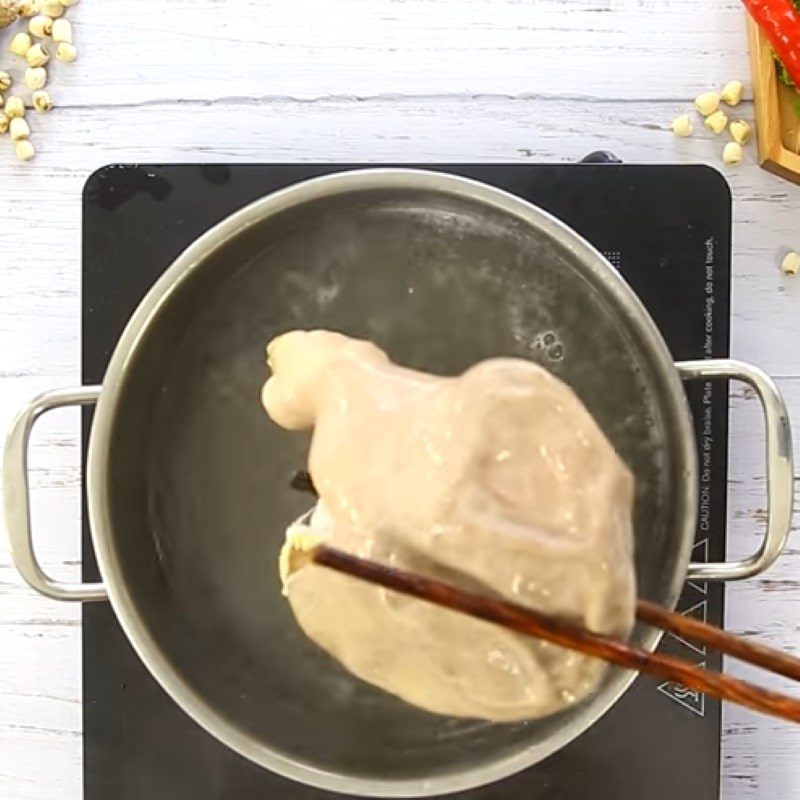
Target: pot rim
97	475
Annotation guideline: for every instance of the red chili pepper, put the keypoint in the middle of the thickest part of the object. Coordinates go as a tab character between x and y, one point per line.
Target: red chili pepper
780	22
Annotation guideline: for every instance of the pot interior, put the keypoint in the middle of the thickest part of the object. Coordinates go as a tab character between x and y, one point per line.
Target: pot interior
198	491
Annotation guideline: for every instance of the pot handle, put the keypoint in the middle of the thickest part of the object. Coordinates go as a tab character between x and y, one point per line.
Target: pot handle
16	496
780	467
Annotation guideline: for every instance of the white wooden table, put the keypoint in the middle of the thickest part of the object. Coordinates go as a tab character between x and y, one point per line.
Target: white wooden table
366	80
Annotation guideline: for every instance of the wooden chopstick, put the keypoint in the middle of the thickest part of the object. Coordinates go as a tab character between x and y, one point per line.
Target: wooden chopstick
718	639
575	637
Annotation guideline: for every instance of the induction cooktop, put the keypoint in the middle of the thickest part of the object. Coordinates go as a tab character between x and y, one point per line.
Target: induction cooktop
667	229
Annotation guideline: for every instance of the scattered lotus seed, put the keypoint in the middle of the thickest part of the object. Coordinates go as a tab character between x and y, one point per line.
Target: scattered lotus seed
42	18
35	77
732	154
15	107
20	44
41	101
8	13
28	8
732	93
66	52
19	129
62	31
40	26
741	131
52	8
707	103
716	122
791	264
37	56
682	126
24	150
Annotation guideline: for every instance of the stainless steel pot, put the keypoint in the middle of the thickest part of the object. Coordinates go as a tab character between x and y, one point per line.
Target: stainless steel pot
187	481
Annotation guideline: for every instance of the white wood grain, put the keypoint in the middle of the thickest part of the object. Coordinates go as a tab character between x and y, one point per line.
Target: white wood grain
365	80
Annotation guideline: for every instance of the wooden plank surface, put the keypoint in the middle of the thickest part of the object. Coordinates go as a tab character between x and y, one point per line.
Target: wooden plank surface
369	80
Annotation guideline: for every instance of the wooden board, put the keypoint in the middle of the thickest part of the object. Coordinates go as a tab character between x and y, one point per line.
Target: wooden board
384	80
777	119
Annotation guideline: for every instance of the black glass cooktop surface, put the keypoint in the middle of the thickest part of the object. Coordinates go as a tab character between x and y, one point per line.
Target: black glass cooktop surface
666	228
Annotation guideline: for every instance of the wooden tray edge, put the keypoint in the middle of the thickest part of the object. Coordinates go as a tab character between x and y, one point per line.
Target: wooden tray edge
772	155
